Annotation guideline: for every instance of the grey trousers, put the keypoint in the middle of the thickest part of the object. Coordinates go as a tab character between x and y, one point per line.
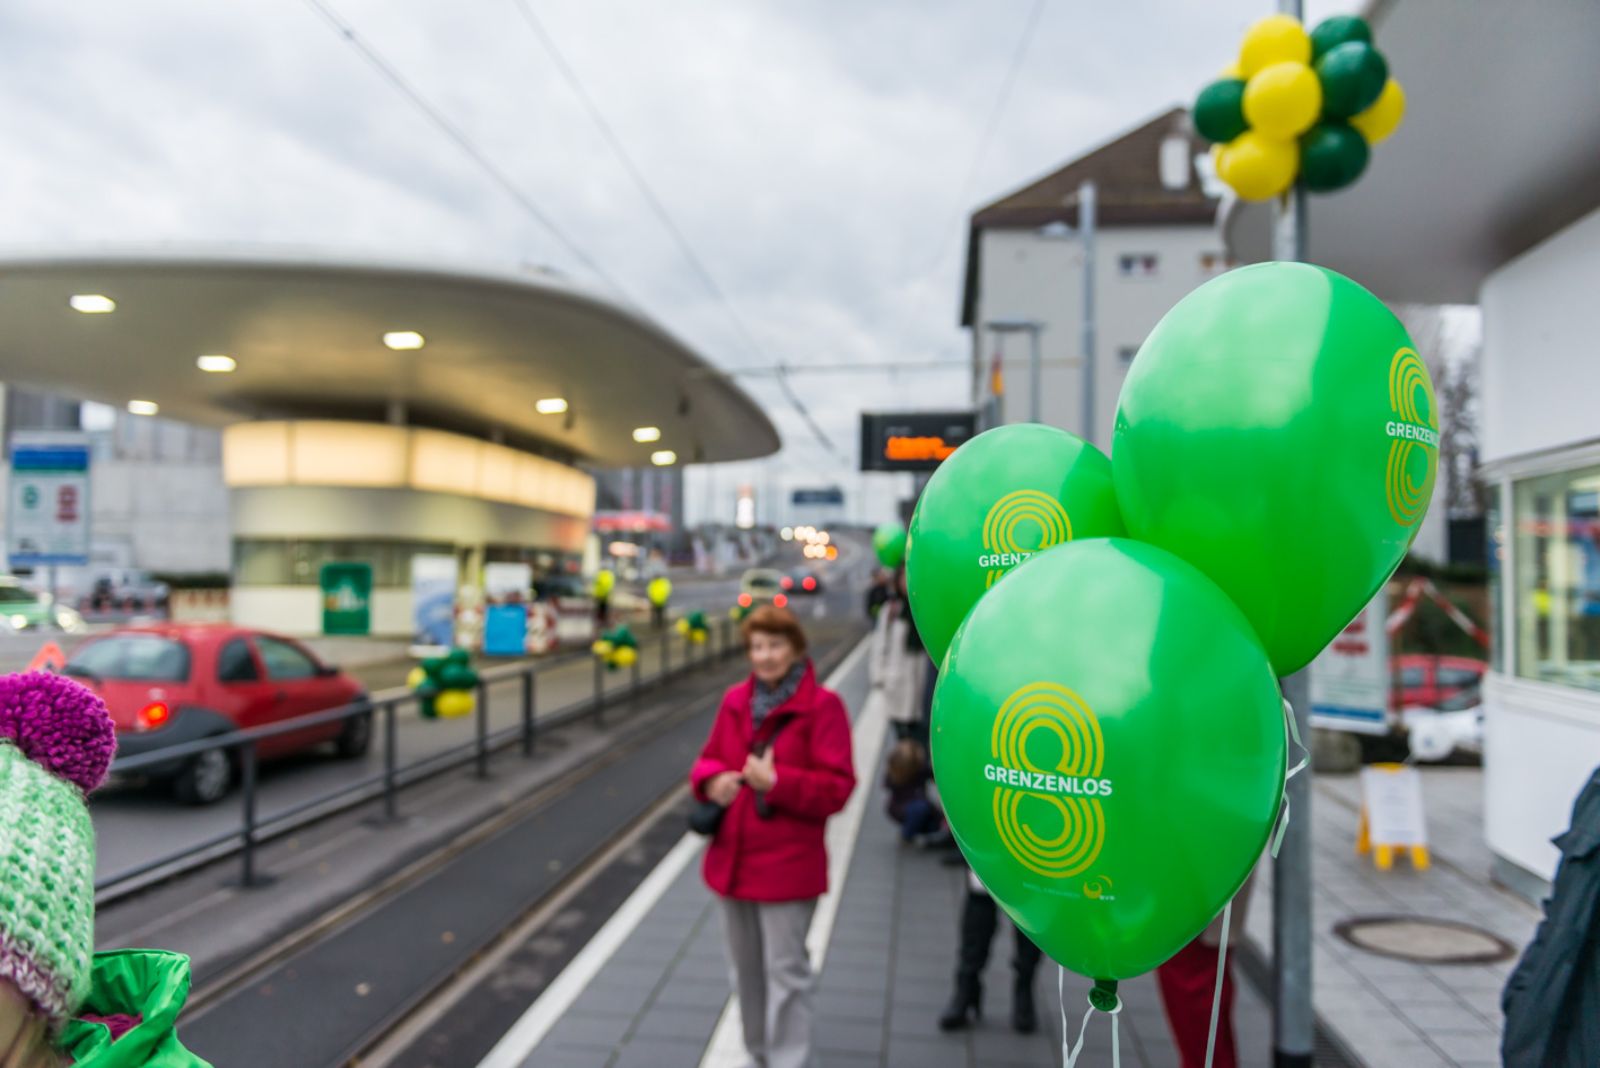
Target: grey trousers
771	973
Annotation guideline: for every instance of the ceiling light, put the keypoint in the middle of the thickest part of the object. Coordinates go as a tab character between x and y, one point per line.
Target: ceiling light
92	303
550	406
644	434
664	458
403	339
217	364
143	407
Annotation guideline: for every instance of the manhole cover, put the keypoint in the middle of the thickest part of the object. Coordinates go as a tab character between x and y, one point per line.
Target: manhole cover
1423	940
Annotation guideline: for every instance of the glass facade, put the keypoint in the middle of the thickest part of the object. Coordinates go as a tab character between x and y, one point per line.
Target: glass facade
270	562
1556	587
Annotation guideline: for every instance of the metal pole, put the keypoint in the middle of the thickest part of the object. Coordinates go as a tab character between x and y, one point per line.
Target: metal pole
527	713
1033	374
483	730
1293	1022
634	686
1086	224
666	652
248	781
599	692
390	807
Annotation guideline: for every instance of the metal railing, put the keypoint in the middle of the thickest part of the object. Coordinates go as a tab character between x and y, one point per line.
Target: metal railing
254	830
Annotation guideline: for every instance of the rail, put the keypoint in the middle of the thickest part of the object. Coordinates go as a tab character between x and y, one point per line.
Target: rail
254	830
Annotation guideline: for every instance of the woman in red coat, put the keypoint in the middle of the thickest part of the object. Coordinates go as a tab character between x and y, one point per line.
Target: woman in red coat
778	759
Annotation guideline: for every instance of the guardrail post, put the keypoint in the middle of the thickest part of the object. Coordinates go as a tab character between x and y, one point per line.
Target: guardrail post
483	729
666	652
527	712
390	802
248	782
635	685
599	692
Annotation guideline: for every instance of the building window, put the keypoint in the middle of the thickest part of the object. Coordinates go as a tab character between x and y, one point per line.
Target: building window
1126	353
1212	263
1556	524
269	562
1138	264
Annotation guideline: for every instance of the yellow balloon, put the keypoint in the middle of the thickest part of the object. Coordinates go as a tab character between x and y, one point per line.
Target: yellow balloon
416	678
1274	39
1383	117
602	648
624	656
683	626
697	636
452	703
1283	100
1258	167
1230	72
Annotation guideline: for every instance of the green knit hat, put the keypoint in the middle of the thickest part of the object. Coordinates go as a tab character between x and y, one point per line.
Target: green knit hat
56	743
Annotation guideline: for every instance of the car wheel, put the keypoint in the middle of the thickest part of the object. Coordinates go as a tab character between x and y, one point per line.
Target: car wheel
205	779
356	737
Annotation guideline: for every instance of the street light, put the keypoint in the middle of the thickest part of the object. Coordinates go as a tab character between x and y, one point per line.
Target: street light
1031	327
1084	234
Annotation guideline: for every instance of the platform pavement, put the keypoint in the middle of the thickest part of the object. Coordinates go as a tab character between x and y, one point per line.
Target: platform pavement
656	997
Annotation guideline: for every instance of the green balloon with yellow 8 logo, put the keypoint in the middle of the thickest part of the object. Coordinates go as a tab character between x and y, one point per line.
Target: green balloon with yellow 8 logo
1108	742
1007	493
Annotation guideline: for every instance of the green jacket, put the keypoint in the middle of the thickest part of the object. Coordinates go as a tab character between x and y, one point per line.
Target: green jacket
135	994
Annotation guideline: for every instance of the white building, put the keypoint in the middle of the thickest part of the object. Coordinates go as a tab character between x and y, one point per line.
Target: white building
1511	221
1155	241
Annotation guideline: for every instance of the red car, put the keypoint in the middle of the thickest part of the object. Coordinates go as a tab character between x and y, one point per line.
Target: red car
167	684
1422	680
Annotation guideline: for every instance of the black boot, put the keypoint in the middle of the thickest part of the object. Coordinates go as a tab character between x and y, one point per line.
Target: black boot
978	921
1024	1018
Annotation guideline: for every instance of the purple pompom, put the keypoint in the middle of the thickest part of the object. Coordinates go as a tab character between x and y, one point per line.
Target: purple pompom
58	724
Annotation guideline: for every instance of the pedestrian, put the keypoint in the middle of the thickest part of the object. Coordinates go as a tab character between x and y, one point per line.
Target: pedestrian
878	594
906	777
779	762
1188	982
980	919
60	1002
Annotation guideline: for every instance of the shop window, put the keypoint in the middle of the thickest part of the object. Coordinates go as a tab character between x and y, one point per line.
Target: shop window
1138	264
264	562
1556	524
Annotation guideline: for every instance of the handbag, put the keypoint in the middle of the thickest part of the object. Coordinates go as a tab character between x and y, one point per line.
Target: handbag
705	817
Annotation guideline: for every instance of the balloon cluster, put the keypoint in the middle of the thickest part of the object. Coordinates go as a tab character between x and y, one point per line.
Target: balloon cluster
889	543
1299	104
694	627
1109	738
616	648
444	685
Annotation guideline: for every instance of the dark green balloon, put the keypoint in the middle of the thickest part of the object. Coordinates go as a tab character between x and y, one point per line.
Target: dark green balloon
1341	29
1332	155
1352	76
1219	111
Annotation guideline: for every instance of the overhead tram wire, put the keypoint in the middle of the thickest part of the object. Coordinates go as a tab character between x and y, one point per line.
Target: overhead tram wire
464	143
658	207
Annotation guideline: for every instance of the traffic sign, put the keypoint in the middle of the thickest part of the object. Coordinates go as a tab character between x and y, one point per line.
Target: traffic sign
47	514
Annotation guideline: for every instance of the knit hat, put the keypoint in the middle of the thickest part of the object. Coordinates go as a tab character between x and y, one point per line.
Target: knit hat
56	744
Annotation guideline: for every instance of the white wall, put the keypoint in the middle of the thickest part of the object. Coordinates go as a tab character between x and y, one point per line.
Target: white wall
1541	356
297	610
1027	276
174	514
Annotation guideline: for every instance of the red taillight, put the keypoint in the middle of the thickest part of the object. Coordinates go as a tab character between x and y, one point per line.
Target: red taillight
744	600
780	600
787	583
153	715
810	583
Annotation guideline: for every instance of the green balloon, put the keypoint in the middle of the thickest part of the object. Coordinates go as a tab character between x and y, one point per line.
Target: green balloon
1332	155
1352	76
1108	742
1340	29
1278	431
1219	111
1008	492
889	542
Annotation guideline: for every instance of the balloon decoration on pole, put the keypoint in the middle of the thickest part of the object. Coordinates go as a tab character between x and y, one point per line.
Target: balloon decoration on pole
1108	742
889	542
1007	493
1299	105
445	685
1278	430
695	628
616	648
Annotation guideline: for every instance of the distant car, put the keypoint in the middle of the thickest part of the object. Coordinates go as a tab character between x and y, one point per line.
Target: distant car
560	587
167	684
802	582
1422	680
126	589
22	608
1453	727
762	585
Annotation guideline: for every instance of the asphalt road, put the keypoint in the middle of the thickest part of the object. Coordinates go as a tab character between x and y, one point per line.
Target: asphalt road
135	822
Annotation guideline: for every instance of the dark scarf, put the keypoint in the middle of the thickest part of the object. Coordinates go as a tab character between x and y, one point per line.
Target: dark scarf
766	698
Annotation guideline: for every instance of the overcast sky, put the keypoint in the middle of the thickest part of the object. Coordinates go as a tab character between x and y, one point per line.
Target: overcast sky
820	156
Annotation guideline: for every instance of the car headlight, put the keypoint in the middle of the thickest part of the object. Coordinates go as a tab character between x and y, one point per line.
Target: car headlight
19	622
68	619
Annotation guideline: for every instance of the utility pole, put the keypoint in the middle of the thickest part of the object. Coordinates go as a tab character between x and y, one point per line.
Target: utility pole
1293	1024
1086	224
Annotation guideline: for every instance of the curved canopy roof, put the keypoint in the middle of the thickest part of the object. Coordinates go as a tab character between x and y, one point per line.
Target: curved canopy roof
307	332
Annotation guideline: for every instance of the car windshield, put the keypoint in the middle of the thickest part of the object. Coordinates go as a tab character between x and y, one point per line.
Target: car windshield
1458	702
132	658
761	580
16	595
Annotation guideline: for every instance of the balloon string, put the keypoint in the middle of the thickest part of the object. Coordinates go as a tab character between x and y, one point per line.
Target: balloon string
1061	995
1116	1048
1083	1032
1222	972
1289	773
1070	1058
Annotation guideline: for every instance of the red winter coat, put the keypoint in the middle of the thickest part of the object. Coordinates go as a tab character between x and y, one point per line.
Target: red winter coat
781	857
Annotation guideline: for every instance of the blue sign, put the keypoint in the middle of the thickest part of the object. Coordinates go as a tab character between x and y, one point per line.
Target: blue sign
47	517
505	630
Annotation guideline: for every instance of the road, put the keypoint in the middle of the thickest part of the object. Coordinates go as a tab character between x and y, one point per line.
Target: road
135	823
